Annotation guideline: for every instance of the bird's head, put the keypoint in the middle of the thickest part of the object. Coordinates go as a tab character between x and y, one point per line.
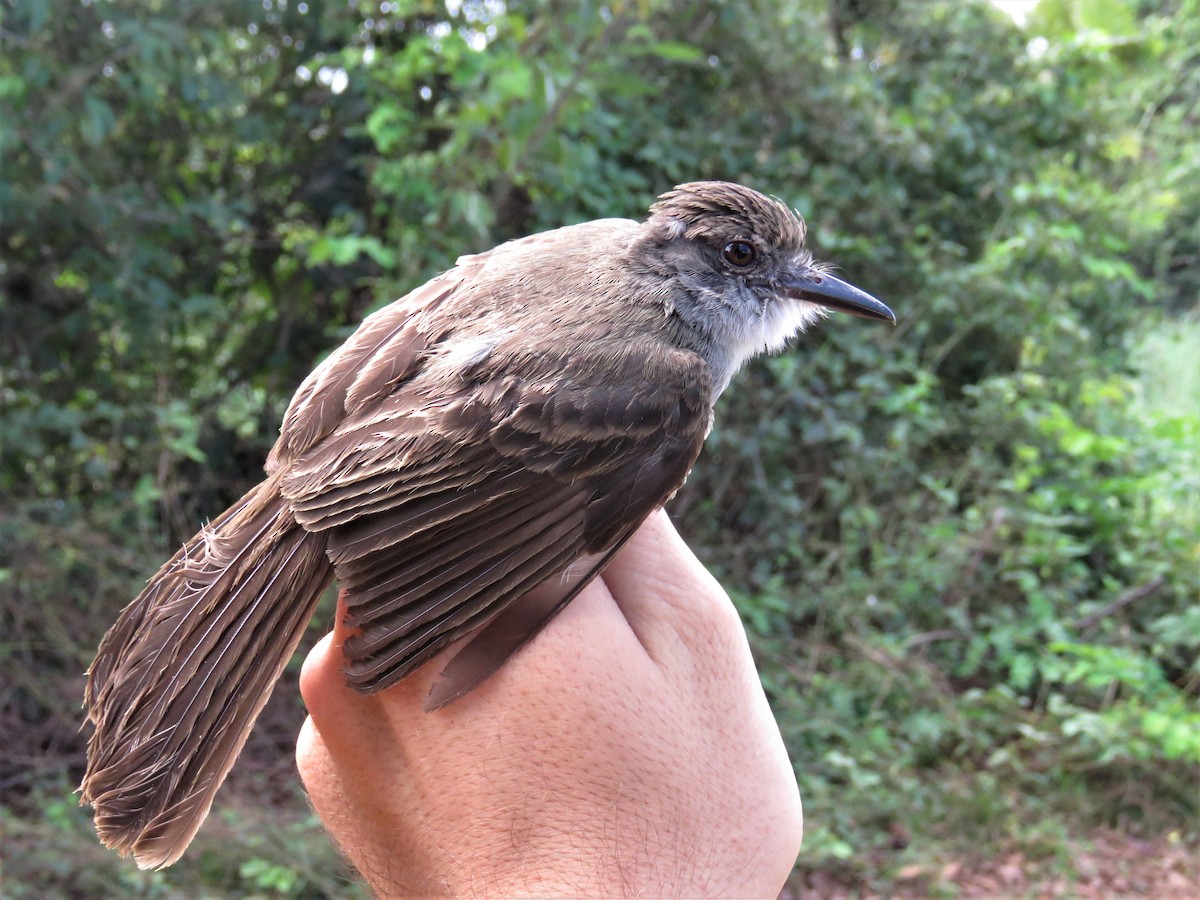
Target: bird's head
748	282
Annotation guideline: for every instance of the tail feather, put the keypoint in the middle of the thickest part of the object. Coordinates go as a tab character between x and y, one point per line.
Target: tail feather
185	671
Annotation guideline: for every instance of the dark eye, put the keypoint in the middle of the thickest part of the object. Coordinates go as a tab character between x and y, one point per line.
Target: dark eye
739	253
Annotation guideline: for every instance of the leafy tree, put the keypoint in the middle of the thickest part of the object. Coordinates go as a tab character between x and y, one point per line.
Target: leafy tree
965	549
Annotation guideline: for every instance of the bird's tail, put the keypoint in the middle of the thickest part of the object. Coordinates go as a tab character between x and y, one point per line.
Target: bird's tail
182	675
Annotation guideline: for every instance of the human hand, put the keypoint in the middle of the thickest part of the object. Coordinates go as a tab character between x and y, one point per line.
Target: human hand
627	750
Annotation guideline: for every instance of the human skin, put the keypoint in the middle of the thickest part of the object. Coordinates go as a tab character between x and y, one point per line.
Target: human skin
627	751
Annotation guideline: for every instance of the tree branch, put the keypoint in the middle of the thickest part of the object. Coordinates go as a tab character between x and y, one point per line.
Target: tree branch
1134	594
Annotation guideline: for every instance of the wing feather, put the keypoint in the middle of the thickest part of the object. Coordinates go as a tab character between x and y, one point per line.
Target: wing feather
384	350
444	502
381	589
466	574
377	670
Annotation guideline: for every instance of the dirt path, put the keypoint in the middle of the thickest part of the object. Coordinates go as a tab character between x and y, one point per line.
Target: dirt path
1107	864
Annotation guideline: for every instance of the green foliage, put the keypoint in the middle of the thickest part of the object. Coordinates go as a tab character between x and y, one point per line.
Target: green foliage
271	851
966	549
1153	720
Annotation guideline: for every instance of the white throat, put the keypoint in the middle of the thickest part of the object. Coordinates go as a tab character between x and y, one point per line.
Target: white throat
747	337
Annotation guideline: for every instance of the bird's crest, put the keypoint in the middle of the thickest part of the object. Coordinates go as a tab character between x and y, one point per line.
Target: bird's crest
721	209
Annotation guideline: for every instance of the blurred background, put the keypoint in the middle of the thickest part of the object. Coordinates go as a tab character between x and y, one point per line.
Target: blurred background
967	549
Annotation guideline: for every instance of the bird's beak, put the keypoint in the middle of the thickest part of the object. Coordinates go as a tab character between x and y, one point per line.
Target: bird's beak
825	290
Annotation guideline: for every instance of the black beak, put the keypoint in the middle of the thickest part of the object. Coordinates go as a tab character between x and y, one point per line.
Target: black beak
823	289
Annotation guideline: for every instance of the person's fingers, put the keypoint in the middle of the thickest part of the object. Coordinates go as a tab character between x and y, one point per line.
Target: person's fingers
347	720
669	597
655	597
354	782
314	763
322	684
577	650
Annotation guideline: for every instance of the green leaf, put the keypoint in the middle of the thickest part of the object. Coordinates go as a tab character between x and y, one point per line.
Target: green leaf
97	120
675	51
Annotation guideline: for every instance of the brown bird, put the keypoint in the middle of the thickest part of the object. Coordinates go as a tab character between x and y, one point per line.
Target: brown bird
464	465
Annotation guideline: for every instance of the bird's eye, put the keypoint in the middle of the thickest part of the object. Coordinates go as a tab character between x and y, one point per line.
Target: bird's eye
739	253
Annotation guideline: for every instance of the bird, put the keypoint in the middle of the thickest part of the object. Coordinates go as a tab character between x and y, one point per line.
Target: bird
464	464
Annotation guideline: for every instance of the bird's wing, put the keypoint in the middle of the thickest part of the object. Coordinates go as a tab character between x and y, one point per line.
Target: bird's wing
444	506
384	350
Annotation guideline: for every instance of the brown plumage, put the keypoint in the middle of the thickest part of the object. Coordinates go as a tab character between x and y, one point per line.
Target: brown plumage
493	437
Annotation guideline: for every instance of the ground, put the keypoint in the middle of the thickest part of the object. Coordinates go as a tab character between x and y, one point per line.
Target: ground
1107	864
